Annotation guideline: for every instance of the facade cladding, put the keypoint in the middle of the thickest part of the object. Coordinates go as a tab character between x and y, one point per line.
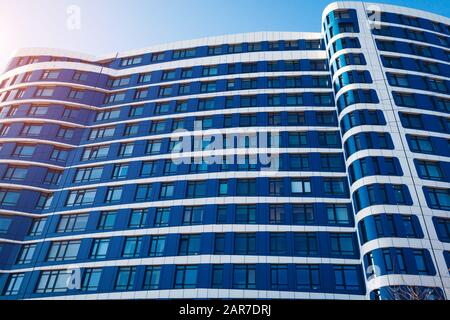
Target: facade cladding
94	205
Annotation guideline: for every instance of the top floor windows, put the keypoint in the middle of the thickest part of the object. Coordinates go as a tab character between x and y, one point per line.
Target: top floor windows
215	50
158	56
313	44
184	53
50	75
235	48
131	61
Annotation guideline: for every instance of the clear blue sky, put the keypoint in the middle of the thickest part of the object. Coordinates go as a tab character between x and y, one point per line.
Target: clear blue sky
116	25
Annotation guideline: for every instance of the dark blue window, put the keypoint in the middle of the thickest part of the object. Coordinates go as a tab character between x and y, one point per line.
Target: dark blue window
307	277
185	277
442	226
438	198
244	277
189	245
152	277
157	246
125	278
305	244
245	243
346	278
279	277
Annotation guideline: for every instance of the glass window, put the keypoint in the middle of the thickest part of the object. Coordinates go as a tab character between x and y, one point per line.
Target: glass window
279	277
15	173
278	243
125	278
193	215
132	247
244	277
153	147
89	174
185	277
196	189
297	139
126	149
346	278
130	61
107	220
26	254
120	171
91	279
420	260
307	277
138	218
24	151
430	170
158	56
303	214
52	281
338	214
217	276
14	284
245	243
81	197
63	250
167	190
438	198
99	248
162	217
113	194
276	214
246	187
219	243
305	244
300	186
222	214
72	223
143	192
421	144
342	244
334	187
136	111
189	245
246	214
157	245
36	229
152	277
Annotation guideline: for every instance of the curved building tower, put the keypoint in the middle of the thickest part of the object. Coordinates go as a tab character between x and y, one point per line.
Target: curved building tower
265	165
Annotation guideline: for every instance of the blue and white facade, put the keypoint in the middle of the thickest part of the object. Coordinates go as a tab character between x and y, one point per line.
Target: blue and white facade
93	204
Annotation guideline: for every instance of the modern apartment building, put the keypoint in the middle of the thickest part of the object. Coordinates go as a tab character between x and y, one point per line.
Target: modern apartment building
264	165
